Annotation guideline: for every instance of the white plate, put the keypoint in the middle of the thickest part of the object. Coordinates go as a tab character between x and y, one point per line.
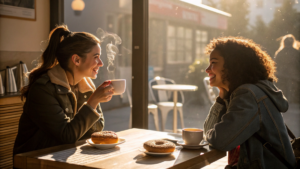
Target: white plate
155	154
105	146
203	143
173	137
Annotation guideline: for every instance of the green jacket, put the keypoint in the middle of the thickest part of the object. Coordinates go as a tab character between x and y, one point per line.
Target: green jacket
53	116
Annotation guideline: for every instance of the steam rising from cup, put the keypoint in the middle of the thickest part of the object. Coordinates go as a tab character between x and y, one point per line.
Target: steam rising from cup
111	48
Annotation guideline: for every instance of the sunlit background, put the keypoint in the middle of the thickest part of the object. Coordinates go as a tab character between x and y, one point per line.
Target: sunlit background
179	30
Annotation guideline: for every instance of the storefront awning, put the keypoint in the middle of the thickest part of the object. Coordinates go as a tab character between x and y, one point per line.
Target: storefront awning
188	10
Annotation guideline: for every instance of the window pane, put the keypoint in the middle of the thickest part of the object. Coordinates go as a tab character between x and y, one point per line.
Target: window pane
180	44
194	26
180	56
188	30
188	56
171	31
198	35
188	45
171	56
204	36
171	43
180	32
188	33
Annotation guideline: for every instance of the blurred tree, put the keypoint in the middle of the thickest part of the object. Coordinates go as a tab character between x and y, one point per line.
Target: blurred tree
286	21
259	32
238	22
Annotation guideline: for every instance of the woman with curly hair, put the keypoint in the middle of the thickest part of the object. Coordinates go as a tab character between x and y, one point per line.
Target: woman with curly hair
249	104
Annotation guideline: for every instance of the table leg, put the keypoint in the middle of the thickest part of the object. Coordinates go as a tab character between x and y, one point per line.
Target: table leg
175	112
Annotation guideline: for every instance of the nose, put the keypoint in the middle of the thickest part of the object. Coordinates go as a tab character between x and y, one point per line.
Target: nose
208	69
100	63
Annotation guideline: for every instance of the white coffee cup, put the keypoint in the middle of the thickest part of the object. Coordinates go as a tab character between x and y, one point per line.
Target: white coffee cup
119	86
192	136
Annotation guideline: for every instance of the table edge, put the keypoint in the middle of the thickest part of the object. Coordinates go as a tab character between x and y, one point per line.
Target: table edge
20	160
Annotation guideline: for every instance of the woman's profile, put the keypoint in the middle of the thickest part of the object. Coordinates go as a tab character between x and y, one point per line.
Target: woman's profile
62	103
248	104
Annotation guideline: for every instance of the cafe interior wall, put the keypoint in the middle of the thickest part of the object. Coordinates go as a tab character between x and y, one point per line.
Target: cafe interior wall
20	40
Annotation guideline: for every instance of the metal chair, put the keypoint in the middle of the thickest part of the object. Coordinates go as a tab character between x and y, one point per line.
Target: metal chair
164	101
212	94
152	108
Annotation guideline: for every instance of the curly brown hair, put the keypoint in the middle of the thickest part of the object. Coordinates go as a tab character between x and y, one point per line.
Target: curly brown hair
244	61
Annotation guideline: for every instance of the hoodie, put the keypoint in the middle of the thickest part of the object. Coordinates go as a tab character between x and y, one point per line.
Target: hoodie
251	109
275	95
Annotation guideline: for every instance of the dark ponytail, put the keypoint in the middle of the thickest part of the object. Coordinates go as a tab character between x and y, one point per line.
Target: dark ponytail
62	45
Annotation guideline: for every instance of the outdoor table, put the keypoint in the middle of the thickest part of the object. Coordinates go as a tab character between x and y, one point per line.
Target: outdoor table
127	155
175	88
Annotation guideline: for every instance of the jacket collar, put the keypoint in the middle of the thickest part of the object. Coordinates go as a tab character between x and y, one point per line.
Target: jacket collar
58	76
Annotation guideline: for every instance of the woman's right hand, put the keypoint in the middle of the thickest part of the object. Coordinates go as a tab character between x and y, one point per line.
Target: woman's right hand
103	93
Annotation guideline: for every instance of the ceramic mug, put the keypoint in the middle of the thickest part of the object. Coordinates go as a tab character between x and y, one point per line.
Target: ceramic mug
192	136
119	86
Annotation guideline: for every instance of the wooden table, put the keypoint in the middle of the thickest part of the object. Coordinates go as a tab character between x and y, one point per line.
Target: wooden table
126	155
175	88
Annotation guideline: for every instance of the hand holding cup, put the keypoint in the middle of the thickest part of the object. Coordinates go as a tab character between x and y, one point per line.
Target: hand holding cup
102	94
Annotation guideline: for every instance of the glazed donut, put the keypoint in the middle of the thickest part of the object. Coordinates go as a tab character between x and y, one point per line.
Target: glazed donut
159	146
104	137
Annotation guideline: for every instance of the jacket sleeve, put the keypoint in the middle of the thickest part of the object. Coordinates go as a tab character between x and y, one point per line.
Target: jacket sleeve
98	126
214	116
49	116
239	123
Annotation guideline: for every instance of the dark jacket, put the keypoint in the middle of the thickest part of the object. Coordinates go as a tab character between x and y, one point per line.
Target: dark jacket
52	115
251	109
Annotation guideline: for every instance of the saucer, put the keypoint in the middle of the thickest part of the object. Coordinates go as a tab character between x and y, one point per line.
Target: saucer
173	137
156	154
201	145
105	146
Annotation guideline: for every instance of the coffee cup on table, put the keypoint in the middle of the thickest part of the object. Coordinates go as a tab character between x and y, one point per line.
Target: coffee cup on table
119	86
192	136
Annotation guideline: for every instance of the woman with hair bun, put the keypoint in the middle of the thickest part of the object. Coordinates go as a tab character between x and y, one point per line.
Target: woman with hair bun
62	103
248	107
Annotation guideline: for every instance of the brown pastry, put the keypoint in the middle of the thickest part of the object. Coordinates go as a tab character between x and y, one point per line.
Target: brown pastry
159	146
104	137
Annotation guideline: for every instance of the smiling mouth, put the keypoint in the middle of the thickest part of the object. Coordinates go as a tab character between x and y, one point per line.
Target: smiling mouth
95	70
211	77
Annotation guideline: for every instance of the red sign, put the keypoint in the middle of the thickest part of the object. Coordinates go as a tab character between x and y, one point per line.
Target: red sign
201	16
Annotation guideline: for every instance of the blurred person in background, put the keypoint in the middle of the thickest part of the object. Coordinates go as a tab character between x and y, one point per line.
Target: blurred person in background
248	105
287	58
